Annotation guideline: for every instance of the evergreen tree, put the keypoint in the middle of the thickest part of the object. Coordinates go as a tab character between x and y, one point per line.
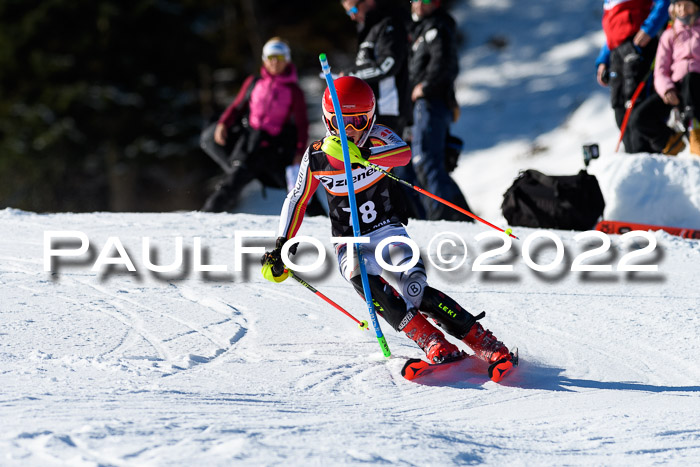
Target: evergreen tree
102	101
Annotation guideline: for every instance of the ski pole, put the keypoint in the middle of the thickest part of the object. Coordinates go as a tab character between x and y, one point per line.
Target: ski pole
633	100
353	204
420	190
362	324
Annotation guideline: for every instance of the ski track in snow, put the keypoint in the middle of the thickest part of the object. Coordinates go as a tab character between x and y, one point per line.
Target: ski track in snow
143	369
129	369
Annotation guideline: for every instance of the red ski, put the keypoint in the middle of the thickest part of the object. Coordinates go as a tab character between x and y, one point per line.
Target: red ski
621	227
416	368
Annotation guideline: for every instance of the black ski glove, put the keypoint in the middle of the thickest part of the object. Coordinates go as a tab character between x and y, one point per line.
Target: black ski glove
274	257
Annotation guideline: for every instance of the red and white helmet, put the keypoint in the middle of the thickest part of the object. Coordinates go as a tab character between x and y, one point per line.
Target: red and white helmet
357	103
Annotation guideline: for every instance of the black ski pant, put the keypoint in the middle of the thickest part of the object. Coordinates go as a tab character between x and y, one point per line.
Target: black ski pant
633	139
388	304
254	155
651	116
628	67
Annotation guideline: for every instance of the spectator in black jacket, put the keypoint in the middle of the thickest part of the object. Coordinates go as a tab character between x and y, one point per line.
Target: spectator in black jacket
382	62
432	70
382	58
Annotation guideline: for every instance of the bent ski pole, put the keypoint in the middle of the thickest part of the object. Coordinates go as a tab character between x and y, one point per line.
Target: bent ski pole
420	190
362	324
353	205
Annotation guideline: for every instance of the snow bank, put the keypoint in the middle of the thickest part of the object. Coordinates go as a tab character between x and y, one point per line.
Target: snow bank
651	189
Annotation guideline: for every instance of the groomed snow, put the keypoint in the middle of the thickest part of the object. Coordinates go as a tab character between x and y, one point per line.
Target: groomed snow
185	368
111	367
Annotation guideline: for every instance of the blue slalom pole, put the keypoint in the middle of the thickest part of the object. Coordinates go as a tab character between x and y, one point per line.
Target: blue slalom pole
353	204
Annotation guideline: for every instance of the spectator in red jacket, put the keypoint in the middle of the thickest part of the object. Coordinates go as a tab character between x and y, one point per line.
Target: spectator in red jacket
263	131
631	28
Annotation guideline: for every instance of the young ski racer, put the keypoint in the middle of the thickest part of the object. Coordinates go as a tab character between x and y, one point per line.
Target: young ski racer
323	164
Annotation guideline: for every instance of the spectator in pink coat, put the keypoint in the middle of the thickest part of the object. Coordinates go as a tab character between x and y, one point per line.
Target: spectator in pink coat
677	83
262	132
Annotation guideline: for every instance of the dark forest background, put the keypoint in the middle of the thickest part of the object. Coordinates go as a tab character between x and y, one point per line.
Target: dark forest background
102	101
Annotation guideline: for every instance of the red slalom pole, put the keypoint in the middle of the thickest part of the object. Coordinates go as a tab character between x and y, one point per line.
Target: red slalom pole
463	211
362	324
628	112
440	200
633	100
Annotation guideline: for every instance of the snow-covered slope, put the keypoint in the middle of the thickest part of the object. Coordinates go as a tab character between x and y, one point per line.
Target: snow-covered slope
193	368
111	367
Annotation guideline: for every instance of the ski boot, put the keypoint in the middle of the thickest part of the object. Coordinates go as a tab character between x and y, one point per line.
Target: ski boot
432	341
485	345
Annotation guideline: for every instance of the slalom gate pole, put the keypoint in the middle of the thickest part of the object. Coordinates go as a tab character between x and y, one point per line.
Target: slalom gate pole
353	204
633	100
420	190
362	324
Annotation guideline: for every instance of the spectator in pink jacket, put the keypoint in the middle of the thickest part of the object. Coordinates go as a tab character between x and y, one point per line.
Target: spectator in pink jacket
677	83
263	131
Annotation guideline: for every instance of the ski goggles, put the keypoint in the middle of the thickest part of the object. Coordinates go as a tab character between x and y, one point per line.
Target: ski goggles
278	57
357	122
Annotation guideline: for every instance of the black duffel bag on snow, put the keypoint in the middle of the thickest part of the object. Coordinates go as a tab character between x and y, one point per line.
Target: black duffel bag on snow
571	202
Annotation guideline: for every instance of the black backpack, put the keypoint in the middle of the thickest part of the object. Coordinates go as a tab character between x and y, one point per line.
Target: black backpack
572	202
